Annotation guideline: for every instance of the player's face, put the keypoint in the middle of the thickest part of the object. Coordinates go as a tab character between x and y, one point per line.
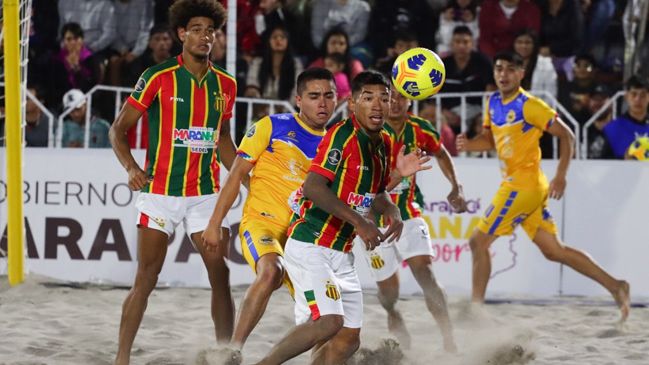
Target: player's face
317	102
524	45
371	107
336	44
638	99
198	37
462	44
399	105
160	43
508	76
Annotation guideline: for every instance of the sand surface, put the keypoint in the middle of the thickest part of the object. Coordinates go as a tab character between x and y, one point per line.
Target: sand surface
42	322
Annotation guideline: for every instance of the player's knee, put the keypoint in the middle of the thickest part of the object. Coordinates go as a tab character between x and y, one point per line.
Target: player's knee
353	345
147	278
552	254
330	325
388	297
271	275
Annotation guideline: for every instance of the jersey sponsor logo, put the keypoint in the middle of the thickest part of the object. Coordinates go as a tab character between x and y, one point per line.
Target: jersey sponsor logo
332	290
264	214
294	200
198	139
266	240
293	166
179	100
251	131
140	85
404	185
376	261
291	136
334	156
364	168
361	203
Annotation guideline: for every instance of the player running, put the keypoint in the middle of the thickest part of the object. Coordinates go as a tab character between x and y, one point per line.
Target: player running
347	178
188	103
513	123
415	246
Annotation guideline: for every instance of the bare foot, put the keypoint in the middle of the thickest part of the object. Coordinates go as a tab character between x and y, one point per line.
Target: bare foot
623	299
449	346
397	327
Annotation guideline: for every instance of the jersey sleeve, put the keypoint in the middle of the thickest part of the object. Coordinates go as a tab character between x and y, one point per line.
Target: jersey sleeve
229	87
432	141
145	91
486	116
537	113
330	152
256	140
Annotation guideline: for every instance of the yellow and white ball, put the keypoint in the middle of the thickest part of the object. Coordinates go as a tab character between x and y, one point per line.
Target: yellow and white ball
418	73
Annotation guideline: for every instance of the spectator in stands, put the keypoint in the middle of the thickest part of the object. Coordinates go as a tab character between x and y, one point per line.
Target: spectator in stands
466	70
574	94
336	41
458	12
500	19
598	98
618	135
351	15
540	74
274	75
405	16
37	124
74	67
428	111
599	13
403	41
159	50
97	19
133	21
74	128
271	14
562	30
335	62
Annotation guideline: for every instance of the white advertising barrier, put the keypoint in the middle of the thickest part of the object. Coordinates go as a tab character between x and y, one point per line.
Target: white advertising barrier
81	226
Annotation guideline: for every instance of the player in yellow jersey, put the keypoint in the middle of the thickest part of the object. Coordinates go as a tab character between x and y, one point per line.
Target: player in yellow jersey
513	123
278	149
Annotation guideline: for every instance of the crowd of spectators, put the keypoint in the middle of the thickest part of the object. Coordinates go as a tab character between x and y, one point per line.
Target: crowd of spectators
570	48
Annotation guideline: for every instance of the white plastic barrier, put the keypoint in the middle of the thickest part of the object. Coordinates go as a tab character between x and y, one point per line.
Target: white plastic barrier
81	226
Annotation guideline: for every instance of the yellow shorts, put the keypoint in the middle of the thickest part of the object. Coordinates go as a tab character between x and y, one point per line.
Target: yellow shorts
511	207
259	238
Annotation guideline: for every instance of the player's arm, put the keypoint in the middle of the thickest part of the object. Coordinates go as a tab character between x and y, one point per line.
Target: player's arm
456	197
482	142
228	194
384	206
316	188
566	148
228	151
407	165
127	119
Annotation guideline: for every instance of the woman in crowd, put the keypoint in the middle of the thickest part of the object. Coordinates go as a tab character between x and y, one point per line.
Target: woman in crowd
540	74
336	41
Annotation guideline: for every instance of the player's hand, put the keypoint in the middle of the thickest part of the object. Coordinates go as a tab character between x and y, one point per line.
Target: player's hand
211	236
461	142
138	179
369	233
411	163
393	217
457	201
557	187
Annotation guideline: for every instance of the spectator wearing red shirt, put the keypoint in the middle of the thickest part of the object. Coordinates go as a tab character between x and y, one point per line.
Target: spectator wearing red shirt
500	19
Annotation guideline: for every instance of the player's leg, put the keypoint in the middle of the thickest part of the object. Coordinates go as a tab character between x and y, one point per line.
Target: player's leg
480	243
270	274
422	269
388	297
554	250
152	249
218	273
338	349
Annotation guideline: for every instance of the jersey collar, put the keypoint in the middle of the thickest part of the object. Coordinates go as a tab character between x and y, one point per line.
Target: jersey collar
520	90
306	127
199	83
362	132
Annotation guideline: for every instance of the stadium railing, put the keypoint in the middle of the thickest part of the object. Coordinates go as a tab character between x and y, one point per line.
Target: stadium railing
613	104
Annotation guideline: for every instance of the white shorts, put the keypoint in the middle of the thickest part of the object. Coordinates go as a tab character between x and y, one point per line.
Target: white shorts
164	213
385	260
325	283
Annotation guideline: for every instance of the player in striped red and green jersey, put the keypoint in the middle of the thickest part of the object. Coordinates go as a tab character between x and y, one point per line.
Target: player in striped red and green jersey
414	246
188	103
349	176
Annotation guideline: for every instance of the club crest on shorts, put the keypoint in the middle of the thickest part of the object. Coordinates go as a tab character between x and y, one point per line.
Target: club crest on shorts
334	156
332	290
376	261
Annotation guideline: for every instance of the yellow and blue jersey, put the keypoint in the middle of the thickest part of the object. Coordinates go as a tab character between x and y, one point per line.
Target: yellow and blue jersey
281	146
517	125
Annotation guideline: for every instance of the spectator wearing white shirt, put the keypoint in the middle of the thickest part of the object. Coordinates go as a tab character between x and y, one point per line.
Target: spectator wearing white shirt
351	15
458	12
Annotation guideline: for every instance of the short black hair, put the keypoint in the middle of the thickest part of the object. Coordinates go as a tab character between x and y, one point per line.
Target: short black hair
509	56
637	82
311	74
182	12
462	29
369	77
160	28
404	35
73	28
337	57
39	90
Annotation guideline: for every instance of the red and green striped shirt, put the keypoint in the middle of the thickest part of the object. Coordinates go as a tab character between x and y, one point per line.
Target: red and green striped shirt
416	133
358	170
184	118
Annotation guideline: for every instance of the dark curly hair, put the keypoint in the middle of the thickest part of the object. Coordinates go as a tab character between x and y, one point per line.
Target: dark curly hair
183	11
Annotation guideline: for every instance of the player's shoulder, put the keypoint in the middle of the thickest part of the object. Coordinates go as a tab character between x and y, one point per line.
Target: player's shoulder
421	123
166	66
264	124
343	128
281	118
223	74
532	103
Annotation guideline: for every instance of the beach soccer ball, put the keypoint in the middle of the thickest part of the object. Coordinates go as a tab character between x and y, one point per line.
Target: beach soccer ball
639	149
418	73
